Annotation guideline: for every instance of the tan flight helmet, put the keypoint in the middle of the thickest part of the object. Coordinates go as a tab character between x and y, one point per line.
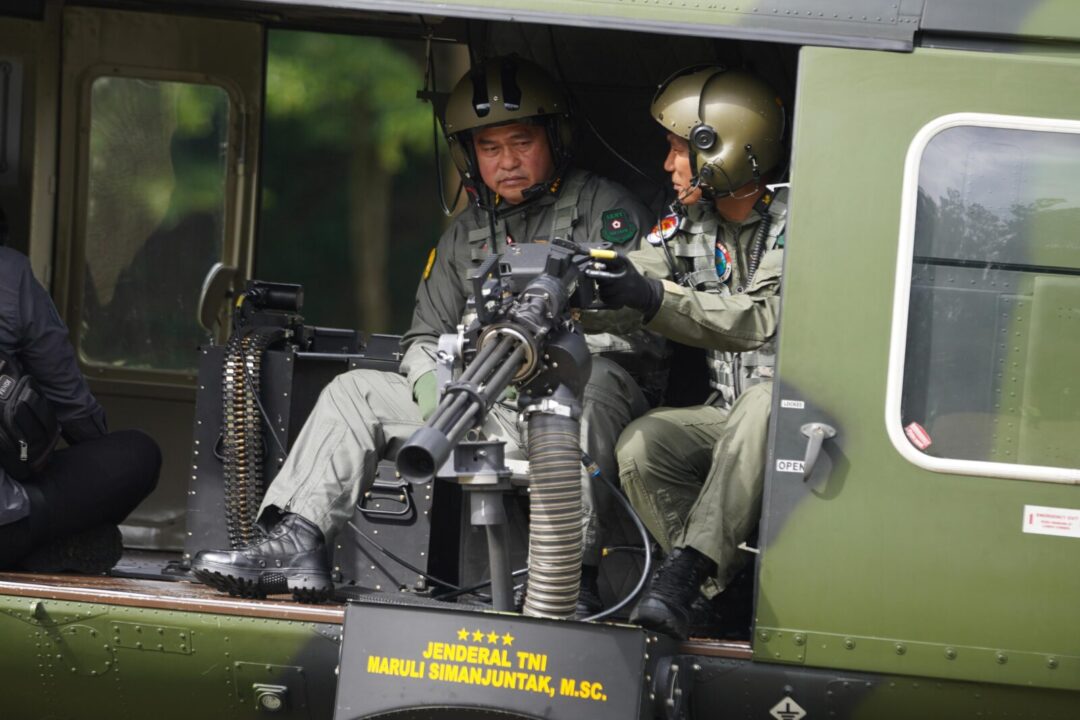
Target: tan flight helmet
501	90
733	121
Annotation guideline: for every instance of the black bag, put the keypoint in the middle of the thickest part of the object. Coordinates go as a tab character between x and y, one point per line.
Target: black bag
28	427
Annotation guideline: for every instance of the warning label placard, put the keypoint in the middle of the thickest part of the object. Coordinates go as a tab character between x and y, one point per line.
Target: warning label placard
1042	520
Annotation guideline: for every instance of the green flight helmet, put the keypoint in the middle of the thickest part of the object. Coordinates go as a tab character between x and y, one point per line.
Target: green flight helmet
732	120
499	91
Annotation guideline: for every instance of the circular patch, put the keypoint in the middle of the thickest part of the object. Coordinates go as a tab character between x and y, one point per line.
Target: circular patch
665	230
723	262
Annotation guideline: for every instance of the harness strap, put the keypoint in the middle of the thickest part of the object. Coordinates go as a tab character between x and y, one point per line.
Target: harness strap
566	206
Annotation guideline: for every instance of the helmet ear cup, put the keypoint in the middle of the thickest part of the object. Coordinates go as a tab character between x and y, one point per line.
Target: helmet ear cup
703	137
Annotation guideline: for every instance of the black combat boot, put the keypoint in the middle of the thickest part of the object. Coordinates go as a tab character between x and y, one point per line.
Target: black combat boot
668	602
588	599
291	558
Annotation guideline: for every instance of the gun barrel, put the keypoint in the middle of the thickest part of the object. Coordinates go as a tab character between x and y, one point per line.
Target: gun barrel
460	409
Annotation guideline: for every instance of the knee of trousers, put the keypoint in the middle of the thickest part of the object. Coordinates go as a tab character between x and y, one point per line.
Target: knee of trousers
352	383
142	459
638	439
612	387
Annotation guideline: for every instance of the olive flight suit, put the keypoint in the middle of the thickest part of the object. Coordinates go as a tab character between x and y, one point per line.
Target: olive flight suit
360	412
695	474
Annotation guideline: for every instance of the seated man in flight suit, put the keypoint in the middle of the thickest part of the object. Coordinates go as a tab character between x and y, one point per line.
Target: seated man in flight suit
508	129
62	514
709	277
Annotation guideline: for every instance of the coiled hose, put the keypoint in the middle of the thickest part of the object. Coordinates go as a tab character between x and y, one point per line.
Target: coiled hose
555	535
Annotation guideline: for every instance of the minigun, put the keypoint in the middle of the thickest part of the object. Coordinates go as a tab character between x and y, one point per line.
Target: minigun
522	332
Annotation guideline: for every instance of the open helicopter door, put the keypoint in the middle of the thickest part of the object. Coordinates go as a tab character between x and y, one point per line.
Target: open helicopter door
159	142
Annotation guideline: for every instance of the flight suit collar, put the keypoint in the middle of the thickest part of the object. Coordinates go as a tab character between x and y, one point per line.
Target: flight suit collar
505	210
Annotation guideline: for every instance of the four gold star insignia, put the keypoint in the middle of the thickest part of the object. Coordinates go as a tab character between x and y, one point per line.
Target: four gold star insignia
492	638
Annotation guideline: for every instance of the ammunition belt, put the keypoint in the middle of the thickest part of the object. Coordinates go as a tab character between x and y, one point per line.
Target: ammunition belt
243	445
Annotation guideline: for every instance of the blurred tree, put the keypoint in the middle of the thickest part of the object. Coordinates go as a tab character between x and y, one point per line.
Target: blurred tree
354	96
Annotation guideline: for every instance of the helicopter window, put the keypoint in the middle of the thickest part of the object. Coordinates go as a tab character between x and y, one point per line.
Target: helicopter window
155	202
989	281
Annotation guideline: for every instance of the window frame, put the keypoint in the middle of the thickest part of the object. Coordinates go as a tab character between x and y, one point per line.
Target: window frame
234	168
902	295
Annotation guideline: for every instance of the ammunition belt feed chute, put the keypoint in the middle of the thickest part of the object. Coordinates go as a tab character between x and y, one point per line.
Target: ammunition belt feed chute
529	339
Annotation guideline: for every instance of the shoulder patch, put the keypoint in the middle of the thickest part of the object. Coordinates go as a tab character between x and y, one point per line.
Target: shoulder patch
617	227
665	230
430	263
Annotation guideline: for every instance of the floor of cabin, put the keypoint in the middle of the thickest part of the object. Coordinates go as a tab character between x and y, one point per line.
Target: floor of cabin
138	581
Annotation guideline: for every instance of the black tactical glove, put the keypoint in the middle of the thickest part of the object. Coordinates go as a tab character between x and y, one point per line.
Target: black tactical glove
621	285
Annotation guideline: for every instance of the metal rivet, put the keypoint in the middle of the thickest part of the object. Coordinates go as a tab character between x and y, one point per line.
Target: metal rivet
900	649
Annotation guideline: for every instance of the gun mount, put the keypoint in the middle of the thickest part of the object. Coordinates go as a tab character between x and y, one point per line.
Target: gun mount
524	334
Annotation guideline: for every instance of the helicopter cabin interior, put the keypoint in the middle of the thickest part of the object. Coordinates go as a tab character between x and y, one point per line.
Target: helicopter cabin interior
180	129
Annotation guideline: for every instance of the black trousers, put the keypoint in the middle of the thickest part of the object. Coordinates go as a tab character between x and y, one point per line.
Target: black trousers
96	482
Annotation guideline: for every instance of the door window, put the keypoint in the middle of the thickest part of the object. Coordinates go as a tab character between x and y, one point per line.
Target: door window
992	289
155	219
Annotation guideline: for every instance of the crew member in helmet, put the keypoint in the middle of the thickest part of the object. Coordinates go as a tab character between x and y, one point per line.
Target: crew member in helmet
508	128
708	277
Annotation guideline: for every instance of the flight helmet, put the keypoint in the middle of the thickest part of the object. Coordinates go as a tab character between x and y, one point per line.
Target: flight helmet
732	120
503	90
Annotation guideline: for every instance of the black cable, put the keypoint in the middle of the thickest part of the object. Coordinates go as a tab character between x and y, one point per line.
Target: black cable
430	87
262	410
457	590
594	472
485	583
403	563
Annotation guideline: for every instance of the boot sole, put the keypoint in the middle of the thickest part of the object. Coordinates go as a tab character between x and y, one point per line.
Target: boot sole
304	587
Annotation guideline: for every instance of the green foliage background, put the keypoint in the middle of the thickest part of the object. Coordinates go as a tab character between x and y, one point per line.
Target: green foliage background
329	98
